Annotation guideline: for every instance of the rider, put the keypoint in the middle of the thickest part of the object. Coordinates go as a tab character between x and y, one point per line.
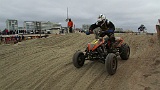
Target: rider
106	26
141	28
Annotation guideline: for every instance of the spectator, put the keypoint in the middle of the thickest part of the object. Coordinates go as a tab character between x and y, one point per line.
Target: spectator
6	31
70	25
19	38
22	37
1	38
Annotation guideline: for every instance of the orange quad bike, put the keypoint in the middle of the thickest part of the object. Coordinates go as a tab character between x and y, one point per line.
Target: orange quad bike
101	50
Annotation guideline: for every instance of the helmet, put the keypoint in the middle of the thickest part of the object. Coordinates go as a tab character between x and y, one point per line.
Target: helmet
101	20
101	17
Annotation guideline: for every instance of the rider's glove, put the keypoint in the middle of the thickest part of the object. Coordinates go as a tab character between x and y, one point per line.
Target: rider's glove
90	31
87	33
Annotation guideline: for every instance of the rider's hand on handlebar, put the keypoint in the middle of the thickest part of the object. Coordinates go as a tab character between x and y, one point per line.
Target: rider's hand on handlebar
90	31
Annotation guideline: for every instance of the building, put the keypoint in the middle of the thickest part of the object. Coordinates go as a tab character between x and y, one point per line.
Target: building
56	28
29	26
51	27
11	24
42	27
85	27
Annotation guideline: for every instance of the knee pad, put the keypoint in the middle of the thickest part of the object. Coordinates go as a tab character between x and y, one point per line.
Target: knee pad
112	38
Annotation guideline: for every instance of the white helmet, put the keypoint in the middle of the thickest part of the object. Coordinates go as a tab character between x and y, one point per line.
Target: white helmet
101	17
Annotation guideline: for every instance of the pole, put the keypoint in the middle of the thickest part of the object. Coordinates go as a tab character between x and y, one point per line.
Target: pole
67	13
67	21
40	29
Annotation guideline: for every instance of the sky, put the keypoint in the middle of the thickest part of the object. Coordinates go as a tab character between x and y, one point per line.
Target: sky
126	14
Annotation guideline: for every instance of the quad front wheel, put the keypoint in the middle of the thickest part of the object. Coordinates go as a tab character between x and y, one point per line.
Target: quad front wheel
78	59
111	63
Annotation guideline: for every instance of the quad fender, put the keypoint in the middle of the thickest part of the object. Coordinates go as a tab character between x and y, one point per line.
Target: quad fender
95	44
119	41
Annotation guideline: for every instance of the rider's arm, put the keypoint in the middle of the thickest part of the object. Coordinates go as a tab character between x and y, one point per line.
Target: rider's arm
110	25
92	27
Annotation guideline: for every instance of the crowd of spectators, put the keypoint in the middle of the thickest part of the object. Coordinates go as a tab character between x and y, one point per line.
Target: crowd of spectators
10	32
12	39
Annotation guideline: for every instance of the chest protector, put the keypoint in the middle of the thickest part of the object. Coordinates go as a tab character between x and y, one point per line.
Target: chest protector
104	27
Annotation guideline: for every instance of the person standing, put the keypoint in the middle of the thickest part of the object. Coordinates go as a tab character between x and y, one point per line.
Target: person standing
70	25
6	32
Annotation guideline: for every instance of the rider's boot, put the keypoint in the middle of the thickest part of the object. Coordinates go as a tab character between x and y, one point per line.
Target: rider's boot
113	47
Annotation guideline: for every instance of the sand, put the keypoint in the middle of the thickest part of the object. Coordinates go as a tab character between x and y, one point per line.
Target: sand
46	64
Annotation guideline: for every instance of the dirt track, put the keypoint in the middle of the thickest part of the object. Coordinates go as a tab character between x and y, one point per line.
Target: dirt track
47	64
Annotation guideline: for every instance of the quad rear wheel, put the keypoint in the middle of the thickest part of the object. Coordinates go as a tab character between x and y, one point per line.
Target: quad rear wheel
78	59
124	51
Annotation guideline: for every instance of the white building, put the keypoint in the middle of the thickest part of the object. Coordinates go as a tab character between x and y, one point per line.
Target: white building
53	28
29	26
42	26
85	27
12	24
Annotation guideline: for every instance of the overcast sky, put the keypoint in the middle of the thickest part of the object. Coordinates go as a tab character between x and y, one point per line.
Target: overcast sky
126	14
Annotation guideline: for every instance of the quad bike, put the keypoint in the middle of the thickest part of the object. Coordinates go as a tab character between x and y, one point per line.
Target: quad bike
101	50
